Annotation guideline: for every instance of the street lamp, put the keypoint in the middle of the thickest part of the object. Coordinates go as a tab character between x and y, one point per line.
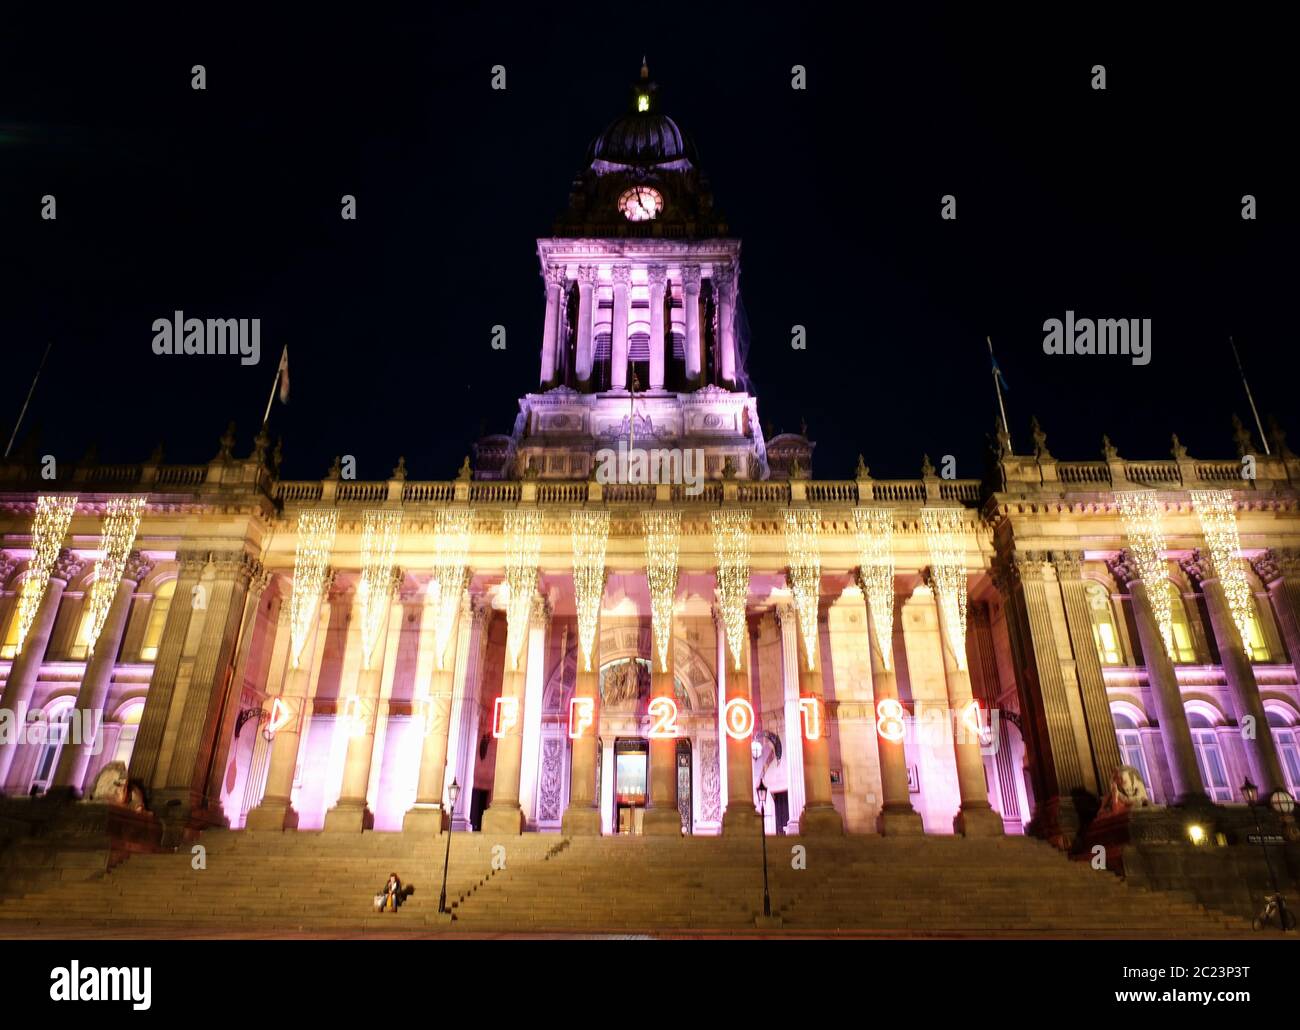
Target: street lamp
756	749
453	792
1283	804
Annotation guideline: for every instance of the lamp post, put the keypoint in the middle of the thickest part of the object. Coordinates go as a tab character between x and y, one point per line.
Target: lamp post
756	749
1283	804
452	793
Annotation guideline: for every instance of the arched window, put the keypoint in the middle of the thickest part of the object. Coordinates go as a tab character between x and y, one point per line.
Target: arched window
129	716
1288	746
81	643
9	645
162	602
1104	634
1184	649
1130	743
1209	759
58	718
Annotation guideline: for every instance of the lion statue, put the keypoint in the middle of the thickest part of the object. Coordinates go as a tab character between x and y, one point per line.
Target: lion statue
1126	791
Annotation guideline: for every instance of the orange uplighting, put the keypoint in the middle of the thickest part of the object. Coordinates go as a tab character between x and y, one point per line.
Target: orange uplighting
889	719
505	716
738	717
663	710
810	708
582	711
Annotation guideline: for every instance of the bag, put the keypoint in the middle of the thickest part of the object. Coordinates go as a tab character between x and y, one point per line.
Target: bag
379	902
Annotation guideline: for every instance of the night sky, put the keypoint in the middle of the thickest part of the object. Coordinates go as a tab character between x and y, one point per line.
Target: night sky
225	203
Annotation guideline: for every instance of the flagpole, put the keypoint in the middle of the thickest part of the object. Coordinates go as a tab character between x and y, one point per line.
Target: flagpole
22	414
279	370
997	387
1249	397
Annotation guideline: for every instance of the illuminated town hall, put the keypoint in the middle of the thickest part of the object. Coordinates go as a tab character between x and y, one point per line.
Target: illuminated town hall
633	616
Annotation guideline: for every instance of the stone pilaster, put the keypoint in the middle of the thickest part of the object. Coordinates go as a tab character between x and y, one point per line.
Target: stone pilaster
657	277
467	705
1103	745
586	303
622	275
724	279
691	311
787	622
505	815
662	818
819	814
550	327
741	817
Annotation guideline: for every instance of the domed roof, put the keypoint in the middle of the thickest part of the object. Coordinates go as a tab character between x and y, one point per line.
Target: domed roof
643	137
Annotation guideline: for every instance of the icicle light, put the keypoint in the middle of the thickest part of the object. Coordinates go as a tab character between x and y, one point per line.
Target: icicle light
523	531
121	521
451	537
590	531
1146	538
315	543
802	529
731	545
875	531
943	534
53	514
1218	515
663	535
380	531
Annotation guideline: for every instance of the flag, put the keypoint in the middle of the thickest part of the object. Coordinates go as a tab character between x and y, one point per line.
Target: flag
997	372
284	376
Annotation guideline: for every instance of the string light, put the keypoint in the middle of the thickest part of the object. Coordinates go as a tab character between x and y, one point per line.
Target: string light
731	545
451	537
1142	525
943	532
663	534
590	531
802	529
379	533
49	526
1218	515
121	522
315	543
875	531
523	530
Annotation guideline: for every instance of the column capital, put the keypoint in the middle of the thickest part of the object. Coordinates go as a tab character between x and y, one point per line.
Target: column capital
691	278
137	567
1124	569
724	276
1199	568
621	275
587	275
785	614
67	566
192	562
1069	564
237	565
1270	566
7	565
657	275
541	612
555	276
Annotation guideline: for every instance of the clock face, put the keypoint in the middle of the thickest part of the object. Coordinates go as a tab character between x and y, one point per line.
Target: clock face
640	204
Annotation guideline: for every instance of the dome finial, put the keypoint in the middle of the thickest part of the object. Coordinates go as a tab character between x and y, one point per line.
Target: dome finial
645	68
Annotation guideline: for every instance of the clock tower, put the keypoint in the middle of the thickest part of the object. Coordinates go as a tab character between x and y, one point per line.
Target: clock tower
643	341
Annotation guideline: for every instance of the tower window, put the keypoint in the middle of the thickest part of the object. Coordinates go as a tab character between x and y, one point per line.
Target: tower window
643	102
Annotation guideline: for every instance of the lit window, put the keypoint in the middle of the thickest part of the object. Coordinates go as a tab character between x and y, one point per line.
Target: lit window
1288	748
1130	745
162	602
1104	634
81	644
643	102
1256	648
1184	649
9	647
1209	759
56	732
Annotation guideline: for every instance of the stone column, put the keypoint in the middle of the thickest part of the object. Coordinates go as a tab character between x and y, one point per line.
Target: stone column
1103	745
26	665
819	814
162	684
75	756
1261	752
724	278
788	624
350	813
897	816
1280	573
466	706
976	818
427	815
184	802
662	819
504	815
1165	693
659	348
622	275
582	816
275	811
586	286
691	310
530	755
551	326
741	816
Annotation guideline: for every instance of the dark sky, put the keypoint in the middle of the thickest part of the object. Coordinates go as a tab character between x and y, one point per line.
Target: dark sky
225	203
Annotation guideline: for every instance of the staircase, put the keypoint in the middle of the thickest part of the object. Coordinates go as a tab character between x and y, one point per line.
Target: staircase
313	882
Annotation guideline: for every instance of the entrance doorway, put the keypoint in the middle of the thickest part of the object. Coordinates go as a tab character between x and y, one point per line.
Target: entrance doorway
631	762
